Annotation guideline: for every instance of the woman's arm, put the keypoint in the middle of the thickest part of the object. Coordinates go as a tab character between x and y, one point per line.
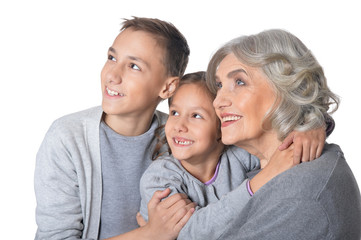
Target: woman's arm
211	221
284	219
248	161
219	215
279	162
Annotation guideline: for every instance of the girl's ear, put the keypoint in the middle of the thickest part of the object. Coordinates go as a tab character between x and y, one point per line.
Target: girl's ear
169	87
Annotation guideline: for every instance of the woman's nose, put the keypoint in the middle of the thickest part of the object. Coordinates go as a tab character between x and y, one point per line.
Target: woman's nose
221	100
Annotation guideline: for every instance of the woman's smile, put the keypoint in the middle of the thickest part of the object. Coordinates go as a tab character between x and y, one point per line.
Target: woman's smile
228	119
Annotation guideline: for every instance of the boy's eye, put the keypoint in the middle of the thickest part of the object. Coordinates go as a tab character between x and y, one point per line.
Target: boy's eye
218	84
239	82
174	113
134	66
111	58
196	115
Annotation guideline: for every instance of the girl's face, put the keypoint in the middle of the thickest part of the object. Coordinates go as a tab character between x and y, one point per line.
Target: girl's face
192	128
243	98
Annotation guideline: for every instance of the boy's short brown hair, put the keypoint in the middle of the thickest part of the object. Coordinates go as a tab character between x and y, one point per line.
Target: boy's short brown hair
174	43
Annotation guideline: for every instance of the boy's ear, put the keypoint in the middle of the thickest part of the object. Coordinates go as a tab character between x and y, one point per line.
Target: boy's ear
169	87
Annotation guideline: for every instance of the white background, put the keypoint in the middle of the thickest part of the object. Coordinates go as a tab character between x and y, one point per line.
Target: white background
52	52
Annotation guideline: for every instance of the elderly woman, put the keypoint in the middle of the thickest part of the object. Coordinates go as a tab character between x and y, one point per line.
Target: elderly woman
268	85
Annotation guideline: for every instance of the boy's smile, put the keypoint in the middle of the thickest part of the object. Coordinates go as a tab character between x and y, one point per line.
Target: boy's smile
112	93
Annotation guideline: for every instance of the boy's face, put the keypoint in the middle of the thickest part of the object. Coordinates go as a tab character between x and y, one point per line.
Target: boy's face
133	75
192	128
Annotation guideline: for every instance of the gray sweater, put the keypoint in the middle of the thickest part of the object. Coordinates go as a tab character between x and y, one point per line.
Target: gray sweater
167	172
68	177
315	200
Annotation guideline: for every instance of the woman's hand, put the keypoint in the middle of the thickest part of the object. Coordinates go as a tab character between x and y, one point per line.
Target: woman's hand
307	145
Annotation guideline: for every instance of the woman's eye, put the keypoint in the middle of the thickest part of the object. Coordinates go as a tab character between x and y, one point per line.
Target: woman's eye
218	84
174	113
196	115
239	82
111	58
134	66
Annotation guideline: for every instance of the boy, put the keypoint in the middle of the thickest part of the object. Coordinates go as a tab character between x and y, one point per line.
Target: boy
90	163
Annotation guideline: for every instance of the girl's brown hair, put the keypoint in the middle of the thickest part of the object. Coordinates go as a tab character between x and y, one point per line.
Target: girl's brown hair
189	78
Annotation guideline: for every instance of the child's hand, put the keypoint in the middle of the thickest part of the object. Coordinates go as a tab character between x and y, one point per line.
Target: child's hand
307	145
167	217
279	162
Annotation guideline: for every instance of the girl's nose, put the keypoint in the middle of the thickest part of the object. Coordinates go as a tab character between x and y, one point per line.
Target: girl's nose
181	126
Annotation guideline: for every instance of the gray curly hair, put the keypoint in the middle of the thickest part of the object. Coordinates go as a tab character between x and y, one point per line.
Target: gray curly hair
303	97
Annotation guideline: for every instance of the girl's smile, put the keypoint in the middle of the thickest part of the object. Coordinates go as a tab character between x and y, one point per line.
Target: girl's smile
192	128
182	142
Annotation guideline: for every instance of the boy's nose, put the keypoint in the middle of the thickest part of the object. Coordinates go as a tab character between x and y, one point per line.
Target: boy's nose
114	75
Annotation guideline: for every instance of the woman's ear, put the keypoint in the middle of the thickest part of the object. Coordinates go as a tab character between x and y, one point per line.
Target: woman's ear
169	87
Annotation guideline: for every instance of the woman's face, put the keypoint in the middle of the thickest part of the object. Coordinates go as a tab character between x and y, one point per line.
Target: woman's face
244	97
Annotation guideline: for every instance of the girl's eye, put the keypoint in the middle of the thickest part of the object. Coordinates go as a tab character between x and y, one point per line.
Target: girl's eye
174	113
196	115
134	66
239	82
111	58
218	84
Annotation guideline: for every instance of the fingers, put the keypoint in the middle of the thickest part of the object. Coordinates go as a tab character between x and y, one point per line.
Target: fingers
313	152
306	151
140	220
321	144
157	197
313	149
167	203
171	205
178	208
287	142
308	145
182	222
297	152
168	216
182	215
320	149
